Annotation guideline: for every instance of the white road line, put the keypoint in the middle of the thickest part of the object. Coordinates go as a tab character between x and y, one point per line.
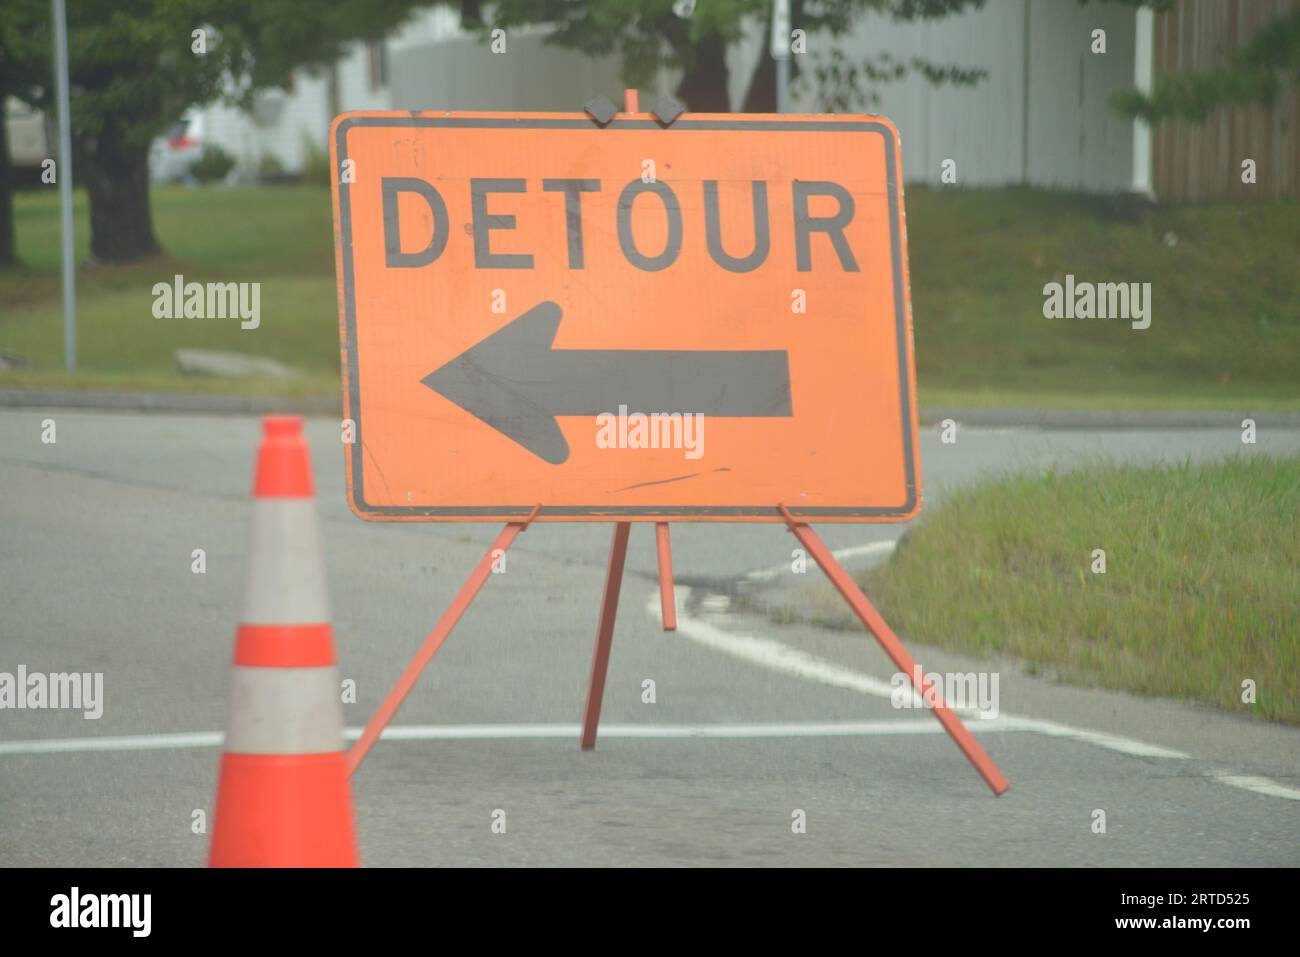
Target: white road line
1258	785
772	654
121	742
507	732
1112	742
794	729
777	656
843	554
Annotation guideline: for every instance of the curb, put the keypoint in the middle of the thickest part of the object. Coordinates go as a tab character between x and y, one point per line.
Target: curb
193	403
1108	418
331	406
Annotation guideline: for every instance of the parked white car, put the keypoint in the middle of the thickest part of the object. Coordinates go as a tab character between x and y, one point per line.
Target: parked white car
29	145
172	155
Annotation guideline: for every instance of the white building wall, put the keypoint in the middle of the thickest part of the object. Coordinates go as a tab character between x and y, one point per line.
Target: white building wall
1075	139
1041	116
296	119
461	73
279	125
980	128
234	131
356	91
438	23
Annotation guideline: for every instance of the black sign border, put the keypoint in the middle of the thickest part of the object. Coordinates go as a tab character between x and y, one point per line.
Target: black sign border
637	512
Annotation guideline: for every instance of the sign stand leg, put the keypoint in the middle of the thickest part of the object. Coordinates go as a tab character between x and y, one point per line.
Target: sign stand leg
357	753
667	604
604	634
902	659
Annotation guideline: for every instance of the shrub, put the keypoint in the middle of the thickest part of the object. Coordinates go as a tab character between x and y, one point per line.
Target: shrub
316	170
212	165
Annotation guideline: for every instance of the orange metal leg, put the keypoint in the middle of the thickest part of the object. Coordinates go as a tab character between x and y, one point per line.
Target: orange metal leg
667	605
604	634
898	654
357	753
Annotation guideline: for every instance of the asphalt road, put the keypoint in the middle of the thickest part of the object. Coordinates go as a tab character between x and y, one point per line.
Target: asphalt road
751	720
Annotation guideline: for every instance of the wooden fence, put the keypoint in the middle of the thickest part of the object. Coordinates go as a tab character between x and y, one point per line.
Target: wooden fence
1200	163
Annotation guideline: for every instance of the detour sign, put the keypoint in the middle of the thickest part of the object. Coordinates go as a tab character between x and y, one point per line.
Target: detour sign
692	323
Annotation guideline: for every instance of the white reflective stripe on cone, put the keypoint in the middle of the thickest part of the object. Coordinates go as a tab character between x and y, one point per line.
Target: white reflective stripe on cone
285	579
284	711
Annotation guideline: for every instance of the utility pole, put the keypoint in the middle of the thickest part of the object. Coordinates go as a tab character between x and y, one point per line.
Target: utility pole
64	173
781	52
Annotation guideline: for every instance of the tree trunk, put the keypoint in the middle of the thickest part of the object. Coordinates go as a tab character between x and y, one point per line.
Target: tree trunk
8	246
116	175
471	14
704	85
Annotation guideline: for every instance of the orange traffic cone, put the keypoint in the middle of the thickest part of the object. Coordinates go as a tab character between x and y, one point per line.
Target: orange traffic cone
283	797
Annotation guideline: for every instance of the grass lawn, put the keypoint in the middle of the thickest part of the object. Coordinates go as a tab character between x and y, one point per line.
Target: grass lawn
1201	589
280	237
1225	331
1225	327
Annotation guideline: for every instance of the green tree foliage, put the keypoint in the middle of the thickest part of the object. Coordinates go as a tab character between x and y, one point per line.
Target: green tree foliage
693	38
135	67
1253	75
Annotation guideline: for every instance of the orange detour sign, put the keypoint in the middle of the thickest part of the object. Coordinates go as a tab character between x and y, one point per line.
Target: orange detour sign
545	318
691	323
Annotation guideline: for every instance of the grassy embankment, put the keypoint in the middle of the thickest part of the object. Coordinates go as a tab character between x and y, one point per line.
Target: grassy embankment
1201	589
1225	331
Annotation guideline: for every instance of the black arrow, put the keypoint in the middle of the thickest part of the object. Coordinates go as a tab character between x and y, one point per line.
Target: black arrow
515	382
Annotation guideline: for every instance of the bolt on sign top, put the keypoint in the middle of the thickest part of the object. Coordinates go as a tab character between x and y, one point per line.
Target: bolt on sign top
691	323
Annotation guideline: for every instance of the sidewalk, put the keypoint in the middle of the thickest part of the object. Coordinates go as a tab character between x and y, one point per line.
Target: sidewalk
329	405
